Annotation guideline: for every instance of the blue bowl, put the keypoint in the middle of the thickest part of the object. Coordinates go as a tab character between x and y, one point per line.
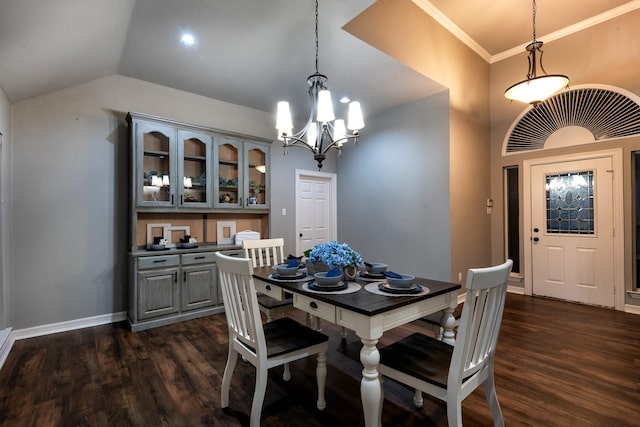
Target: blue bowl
283	270
405	282
323	280
376	268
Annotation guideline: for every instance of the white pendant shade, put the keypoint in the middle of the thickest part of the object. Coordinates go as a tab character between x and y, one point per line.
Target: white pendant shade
325	107
284	124
354	118
537	89
312	134
339	131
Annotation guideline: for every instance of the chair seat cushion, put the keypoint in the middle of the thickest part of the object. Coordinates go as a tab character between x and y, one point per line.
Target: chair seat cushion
285	335
419	356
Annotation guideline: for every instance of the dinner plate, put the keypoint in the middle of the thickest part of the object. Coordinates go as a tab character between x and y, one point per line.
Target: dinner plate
339	287
384	287
297	276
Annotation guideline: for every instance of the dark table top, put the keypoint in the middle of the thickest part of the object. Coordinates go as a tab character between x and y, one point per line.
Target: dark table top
363	302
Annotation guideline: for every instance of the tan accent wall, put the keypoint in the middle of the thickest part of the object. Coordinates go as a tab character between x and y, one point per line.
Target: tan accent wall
406	33
605	54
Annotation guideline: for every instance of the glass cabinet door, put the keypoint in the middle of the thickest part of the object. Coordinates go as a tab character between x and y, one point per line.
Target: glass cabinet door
256	176
156	176
228	173
194	152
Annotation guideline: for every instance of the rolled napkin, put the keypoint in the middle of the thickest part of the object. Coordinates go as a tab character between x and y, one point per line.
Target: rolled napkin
293	263
333	273
392	275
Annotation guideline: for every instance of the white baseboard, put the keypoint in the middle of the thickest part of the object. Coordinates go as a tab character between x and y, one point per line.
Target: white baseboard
515	290
6	342
634	309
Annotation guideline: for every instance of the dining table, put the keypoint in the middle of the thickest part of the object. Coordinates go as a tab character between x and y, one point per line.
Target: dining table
366	309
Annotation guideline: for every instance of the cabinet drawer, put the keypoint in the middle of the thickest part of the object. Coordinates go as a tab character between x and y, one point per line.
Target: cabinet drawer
315	307
158	261
198	258
273	291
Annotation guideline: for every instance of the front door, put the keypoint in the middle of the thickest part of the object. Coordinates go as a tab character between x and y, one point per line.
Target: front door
316	209
572	230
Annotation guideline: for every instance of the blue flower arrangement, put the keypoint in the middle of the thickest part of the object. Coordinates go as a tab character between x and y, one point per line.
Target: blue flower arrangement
334	255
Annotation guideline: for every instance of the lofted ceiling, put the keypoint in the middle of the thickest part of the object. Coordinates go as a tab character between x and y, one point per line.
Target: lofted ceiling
252	52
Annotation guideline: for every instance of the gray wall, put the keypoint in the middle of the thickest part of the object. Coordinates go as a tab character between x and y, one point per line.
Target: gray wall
69	204
69	190
393	189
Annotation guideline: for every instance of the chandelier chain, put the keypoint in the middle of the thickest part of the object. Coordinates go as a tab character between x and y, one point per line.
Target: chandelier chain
316	36
534	20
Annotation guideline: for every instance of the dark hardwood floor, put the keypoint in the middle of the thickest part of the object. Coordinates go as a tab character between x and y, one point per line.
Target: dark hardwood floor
557	364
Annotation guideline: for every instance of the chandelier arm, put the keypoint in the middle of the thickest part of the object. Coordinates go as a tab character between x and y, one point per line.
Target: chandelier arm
337	143
297	142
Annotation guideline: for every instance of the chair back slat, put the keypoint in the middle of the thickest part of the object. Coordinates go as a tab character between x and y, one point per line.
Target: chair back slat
264	252
240	302
480	321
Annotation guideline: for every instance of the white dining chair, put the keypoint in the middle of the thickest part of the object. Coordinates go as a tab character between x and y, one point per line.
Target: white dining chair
263	345
451	373
268	252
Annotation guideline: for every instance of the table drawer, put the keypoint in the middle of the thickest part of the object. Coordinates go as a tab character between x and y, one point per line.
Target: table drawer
268	289
158	261
198	258
317	308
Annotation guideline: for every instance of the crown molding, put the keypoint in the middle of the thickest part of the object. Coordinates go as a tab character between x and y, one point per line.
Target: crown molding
571	29
443	20
448	24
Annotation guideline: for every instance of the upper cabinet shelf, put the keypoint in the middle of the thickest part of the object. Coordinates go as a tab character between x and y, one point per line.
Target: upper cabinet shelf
182	167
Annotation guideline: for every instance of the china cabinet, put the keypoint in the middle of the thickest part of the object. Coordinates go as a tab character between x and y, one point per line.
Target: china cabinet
185	178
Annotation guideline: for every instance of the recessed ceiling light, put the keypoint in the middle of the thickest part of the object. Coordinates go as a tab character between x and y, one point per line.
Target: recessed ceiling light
345	99
188	40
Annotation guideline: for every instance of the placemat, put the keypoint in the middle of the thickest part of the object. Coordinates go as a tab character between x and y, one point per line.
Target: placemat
352	287
373	288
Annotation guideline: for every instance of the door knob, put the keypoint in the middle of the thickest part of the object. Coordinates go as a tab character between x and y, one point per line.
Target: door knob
300	234
535	230
535	239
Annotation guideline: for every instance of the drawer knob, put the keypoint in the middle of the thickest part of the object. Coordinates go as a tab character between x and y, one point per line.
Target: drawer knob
268	287
312	304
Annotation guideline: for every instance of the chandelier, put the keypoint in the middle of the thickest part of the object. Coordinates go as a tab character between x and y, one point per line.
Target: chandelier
536	89
322	131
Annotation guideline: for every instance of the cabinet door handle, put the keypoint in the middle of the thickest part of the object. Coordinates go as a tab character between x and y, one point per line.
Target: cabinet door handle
175	277
184	276
312	304
181	200
268	287
172	199
159	260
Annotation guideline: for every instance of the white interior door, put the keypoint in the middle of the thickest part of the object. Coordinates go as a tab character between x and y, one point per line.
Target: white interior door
316	209
572	230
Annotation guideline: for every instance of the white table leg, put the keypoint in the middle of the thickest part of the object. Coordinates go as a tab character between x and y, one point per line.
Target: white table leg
370	386
448	325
